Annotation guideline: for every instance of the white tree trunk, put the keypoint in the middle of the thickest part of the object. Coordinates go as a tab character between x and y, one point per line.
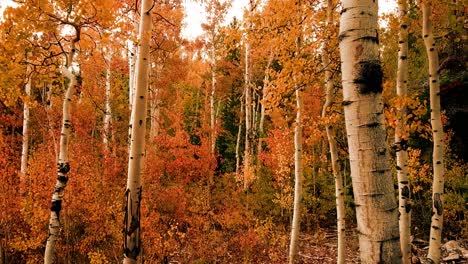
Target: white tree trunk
376	208
63	165
437	137
133	49
212	100
25	149
108	110
154	110
404	202
132	242
248	122
154	103
239	132
296	222
339	182
264	94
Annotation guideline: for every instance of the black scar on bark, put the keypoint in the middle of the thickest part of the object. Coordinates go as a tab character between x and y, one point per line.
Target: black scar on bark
405	192
63	167
438	203
369	77
369	38
408	207
62	179
345	103
56	207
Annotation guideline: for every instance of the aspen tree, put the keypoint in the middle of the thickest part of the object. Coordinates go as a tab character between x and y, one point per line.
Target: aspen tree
108	110
25	148
266	79
248	121
376	208
238	140
339	182
63	165
154	104
212	97
298	167
132	240
298	179
437	136
132	75
400	143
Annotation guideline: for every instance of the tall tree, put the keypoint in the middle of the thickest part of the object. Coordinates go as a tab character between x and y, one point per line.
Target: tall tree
107	109
63	165
25	148
437	136
298	178
376	209
132	239
339	182
400	141
216	12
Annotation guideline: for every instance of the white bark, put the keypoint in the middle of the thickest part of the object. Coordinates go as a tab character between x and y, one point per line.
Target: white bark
266	79
404	203
63	165
154	110
239	132
298	178
339	182
248	122
108	110
212	99
154	105
133	49
25	148
437	137
376	208
132	242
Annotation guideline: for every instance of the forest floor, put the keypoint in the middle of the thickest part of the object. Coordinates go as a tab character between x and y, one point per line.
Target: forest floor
322	248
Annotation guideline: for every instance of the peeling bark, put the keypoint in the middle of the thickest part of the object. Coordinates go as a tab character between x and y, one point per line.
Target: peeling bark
404	202
437	136
132	240
376	208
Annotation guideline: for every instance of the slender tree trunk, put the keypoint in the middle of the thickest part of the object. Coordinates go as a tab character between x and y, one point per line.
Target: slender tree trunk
48	106
376	208
132	75
212	101
108	113
132	242
239	132
154	105
261	125
248	122
404	202
63	165
266	79
339	184
154	130
437	137
296	222
24	151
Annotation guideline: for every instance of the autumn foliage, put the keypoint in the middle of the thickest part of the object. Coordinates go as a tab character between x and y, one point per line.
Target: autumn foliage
195	207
